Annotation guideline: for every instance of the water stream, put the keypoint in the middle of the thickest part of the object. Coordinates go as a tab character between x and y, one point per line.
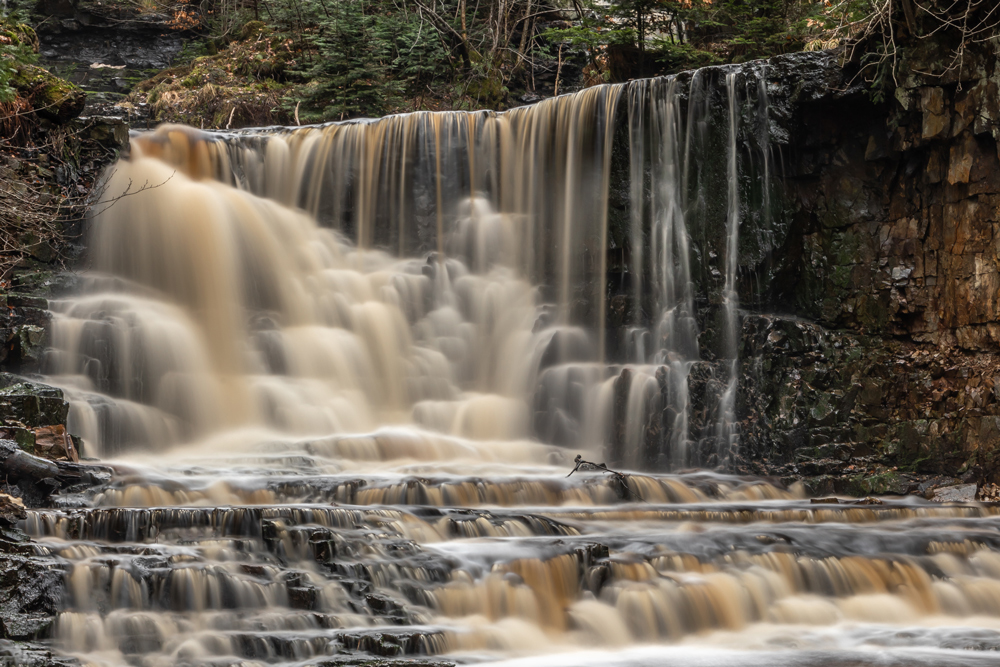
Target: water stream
342	373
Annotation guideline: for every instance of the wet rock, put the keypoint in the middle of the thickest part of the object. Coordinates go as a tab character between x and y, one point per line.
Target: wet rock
615	451
302	598
31	339
34	479
385	643
23	332
31	587
29	654
31	403
55	444
960	493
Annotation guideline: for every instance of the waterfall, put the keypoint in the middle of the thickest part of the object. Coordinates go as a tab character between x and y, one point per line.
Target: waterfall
730	299
447	271
342	372
676	130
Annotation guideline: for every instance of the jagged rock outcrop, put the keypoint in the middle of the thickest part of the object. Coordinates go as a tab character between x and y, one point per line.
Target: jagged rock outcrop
889	366
31	587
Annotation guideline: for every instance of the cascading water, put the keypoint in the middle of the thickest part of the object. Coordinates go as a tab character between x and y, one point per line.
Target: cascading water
688	145
511	263
730	299
342	372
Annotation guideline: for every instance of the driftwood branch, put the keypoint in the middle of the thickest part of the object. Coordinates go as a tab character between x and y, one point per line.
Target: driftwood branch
621	479
38	478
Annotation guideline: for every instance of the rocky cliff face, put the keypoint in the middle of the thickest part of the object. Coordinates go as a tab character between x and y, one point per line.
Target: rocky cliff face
888	369
107	47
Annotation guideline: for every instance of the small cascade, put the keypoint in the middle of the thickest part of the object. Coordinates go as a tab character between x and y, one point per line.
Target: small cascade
241	558
730	299
690	140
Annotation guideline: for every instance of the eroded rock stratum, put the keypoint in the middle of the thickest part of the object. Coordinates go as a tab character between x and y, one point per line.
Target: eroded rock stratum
883	367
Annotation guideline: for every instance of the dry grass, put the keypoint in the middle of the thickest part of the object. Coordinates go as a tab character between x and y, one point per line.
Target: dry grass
17	120
241	86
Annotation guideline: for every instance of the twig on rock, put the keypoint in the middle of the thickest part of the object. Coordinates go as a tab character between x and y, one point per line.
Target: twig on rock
621	478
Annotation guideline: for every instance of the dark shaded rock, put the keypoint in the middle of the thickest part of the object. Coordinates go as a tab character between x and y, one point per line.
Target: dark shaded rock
615	451
882	371
23	332
28	654
30	403
107	131
104	47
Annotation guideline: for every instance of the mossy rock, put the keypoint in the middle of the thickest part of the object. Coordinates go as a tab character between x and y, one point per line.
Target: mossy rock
880	484
31	403
253	29
51	97
487	91
18	33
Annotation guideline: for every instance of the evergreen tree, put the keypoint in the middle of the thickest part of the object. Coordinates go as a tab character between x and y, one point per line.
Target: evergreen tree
351	65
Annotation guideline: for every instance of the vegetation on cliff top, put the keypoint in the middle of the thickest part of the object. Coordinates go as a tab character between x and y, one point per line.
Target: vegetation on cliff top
244	84
48	164
265	60
271	61
18	46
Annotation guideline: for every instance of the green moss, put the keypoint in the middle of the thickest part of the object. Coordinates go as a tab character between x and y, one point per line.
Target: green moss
486	91
886	483
56	99
15	33
30	403
253	30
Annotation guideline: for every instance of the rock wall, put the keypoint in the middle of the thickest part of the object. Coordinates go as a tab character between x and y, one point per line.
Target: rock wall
885	366
106	47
